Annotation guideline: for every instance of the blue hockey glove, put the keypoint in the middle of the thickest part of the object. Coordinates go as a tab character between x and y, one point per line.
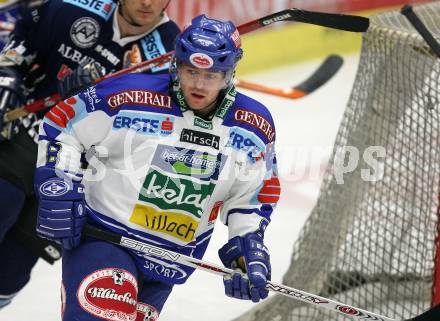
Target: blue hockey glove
11	97
80	78
61	212
246	254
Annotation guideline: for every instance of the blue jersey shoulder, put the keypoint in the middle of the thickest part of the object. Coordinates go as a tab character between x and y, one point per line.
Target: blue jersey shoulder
77	8
135	92
252	116
101	8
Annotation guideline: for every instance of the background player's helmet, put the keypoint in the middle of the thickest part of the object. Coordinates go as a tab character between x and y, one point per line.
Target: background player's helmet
209	44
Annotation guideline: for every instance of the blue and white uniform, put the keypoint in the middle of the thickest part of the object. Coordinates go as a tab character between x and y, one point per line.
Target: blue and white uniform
164	173
160	173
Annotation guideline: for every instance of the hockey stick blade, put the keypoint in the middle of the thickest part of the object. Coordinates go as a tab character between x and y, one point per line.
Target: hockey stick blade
330	20
417	23
320	76
320	302
323	74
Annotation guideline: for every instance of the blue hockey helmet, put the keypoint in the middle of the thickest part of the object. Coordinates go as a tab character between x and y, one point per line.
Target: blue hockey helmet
209	44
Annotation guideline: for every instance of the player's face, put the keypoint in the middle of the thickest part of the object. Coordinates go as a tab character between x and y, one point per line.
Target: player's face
143	13
200	87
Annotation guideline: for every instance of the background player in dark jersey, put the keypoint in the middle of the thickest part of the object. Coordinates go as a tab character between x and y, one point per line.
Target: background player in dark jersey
10	12
49	43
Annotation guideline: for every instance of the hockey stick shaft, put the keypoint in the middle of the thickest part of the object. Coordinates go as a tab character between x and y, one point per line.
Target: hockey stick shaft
292	293
53	99
324	73
329	20
417	23
34	107
338	21
291	93
320	76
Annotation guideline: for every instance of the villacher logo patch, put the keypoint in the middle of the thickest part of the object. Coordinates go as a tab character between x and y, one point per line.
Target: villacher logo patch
200	138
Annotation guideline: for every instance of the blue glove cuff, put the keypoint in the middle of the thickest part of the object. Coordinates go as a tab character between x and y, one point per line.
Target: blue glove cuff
48	186
250	246
257	266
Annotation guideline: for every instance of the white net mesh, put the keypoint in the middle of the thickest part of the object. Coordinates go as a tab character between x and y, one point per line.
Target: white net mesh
372	245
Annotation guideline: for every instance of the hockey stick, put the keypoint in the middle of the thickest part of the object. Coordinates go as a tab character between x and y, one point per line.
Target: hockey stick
324	19
331	20
320	76
417	23
324	73
321	302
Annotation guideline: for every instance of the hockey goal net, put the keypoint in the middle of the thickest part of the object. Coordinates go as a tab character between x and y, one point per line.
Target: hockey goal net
373	244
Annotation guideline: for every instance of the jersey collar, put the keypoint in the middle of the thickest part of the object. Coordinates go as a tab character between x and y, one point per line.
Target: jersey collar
222	108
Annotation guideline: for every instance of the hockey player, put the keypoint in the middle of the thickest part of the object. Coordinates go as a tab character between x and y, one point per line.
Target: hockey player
10	12
48	44
174	152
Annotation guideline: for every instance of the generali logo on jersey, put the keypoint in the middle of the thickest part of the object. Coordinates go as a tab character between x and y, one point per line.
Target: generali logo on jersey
139	97
109	294
257	121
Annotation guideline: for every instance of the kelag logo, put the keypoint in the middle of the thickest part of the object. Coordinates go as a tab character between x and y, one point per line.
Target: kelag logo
144	123
103	8
175	194
188	162
200	138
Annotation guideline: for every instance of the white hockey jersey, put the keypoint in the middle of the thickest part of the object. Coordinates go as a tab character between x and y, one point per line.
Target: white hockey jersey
161	174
